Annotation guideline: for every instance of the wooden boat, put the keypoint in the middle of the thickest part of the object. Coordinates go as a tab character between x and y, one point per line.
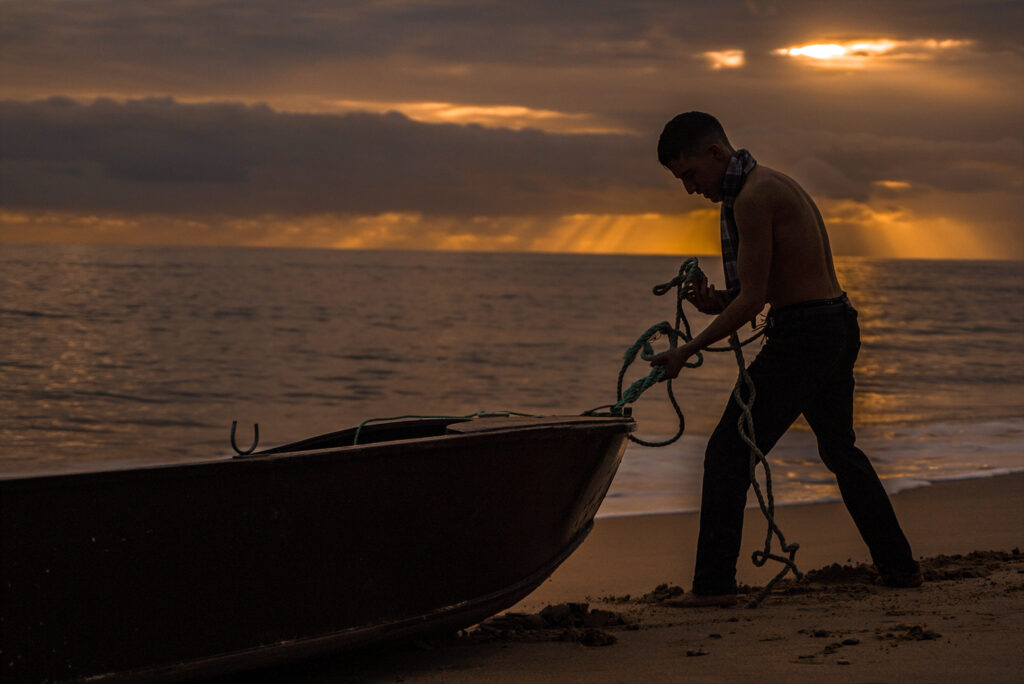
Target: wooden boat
208	567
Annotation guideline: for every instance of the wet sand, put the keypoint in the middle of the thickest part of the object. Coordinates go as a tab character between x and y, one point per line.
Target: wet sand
599	618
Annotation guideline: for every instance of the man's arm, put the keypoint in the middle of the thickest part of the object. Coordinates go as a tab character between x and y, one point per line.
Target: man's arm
753	262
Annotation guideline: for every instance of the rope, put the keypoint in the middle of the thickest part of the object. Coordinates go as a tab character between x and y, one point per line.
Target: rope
766	501
689	271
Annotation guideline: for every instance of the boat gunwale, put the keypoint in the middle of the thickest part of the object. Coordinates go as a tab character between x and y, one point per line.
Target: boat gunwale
626	425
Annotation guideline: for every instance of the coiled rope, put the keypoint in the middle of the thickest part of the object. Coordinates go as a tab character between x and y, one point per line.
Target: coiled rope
689	274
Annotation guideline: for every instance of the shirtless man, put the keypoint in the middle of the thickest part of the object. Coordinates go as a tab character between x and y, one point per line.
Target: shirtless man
776	251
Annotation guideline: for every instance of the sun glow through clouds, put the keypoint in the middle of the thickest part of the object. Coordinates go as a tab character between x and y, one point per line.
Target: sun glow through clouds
493	116
892	184
725	59
860	53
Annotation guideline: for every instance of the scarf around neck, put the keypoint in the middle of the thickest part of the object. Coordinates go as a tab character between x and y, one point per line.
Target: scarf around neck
740	165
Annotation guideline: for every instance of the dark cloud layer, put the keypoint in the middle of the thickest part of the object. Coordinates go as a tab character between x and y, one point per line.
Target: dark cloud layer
583	55
164	156
481	30
159	155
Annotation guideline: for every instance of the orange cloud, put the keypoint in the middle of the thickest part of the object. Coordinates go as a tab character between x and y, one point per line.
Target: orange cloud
515	117
897	231
692	233
863	53
725	59
892	184
856	228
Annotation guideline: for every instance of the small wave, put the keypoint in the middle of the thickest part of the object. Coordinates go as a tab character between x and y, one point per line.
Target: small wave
364	357
77	429
23	366
625	504
378	371
61	395
186	394
164	422
902	484
242	312
123	397
320	396
33	314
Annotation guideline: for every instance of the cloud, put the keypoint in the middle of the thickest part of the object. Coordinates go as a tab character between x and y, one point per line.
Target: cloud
848	165
160	155
240	172
494	116
693	232
762	8
600	65
863	53
881	229
725	59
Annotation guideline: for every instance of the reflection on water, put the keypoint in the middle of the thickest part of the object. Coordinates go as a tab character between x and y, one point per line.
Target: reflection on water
935	347
118	354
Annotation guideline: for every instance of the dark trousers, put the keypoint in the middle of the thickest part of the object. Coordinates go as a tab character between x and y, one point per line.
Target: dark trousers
806	366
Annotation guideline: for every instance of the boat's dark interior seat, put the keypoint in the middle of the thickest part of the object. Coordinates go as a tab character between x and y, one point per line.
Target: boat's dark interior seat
371	433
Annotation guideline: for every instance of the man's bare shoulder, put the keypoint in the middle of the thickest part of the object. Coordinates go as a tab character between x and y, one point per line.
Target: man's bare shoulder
763	180
767	188
760	192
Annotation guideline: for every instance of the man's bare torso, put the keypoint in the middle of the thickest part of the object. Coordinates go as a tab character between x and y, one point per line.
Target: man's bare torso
801	266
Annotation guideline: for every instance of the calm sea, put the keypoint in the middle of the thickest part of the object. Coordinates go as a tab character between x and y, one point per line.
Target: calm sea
126	355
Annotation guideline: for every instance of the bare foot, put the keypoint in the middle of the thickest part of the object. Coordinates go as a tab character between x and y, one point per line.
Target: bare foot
691	600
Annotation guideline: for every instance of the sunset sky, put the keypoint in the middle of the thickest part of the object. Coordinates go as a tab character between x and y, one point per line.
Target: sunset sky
504	124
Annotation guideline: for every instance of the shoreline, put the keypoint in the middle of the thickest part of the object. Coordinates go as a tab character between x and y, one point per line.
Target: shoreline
920	483
956	516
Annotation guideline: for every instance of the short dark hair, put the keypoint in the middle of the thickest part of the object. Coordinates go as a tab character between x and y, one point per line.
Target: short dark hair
686	134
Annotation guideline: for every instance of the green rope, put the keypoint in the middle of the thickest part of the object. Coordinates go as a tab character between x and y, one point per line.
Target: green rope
689	272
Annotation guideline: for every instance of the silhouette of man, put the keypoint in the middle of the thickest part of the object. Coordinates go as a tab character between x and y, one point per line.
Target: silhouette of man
775	250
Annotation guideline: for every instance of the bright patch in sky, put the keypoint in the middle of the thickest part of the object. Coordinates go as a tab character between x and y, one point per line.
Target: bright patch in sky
725	59
493	116
892	184
859	53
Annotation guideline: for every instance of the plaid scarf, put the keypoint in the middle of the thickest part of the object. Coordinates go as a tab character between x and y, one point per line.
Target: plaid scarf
740	164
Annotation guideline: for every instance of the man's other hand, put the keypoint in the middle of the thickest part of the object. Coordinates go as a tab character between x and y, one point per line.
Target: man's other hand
703	296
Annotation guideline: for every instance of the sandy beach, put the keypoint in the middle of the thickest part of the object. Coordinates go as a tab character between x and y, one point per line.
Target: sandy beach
599	617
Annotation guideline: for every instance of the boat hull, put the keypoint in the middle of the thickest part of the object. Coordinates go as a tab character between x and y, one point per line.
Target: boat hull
212	566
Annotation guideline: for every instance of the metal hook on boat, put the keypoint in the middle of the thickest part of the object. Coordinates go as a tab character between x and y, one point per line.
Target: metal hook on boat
255	439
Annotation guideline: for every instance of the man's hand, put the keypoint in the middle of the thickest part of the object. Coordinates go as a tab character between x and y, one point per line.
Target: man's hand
673	360
703	296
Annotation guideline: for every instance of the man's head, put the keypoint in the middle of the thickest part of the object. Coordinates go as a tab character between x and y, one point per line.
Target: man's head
694	147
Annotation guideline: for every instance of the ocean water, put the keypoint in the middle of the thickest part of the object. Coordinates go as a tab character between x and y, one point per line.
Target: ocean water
141	355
